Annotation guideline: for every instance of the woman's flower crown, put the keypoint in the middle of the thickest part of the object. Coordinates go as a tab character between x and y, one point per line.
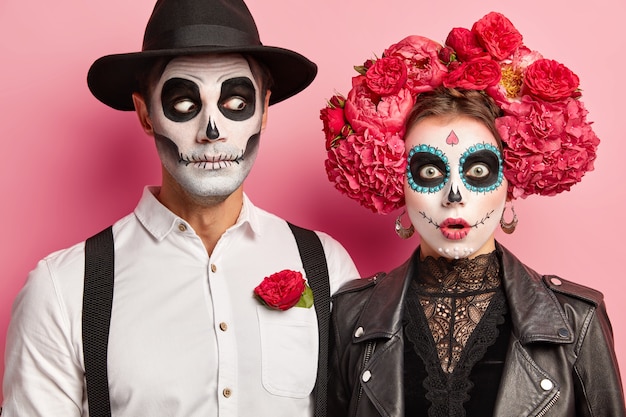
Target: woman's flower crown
548	143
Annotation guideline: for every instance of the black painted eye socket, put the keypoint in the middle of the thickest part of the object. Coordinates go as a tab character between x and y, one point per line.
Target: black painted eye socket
180	99
238	99
427	169
481	169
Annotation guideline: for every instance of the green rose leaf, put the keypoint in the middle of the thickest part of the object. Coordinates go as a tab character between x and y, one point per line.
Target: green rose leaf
306	300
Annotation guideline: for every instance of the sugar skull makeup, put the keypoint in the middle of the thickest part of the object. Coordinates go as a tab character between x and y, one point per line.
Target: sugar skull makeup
207	114
455	189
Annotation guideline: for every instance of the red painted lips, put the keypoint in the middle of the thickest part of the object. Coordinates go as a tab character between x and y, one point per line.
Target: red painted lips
454	229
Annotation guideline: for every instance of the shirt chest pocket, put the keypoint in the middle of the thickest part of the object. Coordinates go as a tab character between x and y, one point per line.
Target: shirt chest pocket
289	349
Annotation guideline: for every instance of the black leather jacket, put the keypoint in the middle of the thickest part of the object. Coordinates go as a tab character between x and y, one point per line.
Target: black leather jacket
560	360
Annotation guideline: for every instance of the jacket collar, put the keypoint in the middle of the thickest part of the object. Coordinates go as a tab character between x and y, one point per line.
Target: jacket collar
535	312
382	314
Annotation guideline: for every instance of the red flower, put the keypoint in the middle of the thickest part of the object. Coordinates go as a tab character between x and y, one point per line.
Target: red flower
476	74
421	56
447	56
281	290
550	146
333	120
465	44
369	168
497	35
387	76
549	80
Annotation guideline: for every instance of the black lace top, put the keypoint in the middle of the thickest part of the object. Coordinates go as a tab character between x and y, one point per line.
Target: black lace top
457	332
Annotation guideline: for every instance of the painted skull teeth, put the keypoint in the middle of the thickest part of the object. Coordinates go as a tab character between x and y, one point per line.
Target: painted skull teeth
212	162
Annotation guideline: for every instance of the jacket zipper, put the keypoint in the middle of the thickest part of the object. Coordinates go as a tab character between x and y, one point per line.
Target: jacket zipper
369	349
549	405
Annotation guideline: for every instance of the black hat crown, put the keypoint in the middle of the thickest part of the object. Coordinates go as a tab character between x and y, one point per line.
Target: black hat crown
193	27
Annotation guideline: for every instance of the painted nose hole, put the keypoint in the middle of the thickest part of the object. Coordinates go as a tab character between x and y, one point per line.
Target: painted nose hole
211	131
454	196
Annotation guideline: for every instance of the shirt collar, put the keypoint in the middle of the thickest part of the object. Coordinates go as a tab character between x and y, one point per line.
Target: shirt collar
159	220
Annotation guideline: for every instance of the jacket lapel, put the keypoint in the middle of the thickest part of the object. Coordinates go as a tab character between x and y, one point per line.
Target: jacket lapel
525	388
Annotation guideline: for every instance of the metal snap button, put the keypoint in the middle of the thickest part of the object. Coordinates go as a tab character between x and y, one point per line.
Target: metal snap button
367	375
546	384
359	332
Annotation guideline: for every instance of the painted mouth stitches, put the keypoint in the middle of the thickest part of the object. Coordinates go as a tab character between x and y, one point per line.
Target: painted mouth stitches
454	229
210	162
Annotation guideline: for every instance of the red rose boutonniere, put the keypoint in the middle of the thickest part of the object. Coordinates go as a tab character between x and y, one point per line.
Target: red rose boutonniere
283	290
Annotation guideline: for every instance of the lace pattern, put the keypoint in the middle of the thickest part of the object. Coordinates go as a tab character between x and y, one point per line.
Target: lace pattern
452	312
454	296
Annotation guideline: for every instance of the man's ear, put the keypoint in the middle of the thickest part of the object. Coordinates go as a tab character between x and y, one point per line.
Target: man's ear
265	107
142	113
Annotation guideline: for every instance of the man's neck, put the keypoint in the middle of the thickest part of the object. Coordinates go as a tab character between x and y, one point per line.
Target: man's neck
209	219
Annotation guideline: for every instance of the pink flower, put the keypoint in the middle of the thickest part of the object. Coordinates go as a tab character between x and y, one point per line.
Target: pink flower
476	74
465	44
369	168
365	109
421	57
497	35
386	76
549	146
549	80
281	290
509	89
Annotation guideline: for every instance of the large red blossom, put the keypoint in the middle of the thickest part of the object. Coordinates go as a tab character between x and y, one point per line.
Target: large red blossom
550	80
421	56
281	290
497	35
550	146
369	168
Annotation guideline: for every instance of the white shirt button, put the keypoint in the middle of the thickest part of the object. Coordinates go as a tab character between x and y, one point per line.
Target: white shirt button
227	392
223	326
213	268
182	227
367	375
546	384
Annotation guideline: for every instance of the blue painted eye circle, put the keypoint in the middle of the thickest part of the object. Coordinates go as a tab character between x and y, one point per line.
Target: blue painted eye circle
481	168
427	169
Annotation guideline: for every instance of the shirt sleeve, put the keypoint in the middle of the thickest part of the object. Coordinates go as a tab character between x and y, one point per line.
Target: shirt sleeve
43	375
341	267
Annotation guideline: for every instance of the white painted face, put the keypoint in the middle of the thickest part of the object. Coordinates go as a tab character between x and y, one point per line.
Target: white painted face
455	190
207	116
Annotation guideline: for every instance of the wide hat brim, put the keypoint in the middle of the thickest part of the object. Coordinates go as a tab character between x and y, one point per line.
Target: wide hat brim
113	78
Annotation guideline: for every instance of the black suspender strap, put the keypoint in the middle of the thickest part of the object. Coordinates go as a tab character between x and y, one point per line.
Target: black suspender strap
316	269
97	303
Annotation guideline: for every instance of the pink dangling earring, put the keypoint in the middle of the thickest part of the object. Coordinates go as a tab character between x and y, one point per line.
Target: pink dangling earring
403	232
508	227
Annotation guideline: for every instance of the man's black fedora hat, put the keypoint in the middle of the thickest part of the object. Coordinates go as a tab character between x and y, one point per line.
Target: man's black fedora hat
192	27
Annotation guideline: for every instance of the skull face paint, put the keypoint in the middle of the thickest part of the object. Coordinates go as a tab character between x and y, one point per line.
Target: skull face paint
207	116
455	190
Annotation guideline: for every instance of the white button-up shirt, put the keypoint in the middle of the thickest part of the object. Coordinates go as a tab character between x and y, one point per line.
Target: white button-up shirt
187	337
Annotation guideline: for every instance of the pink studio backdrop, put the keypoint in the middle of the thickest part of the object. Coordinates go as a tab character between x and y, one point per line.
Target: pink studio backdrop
72	166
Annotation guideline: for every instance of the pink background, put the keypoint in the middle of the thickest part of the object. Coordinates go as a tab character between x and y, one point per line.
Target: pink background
72	166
